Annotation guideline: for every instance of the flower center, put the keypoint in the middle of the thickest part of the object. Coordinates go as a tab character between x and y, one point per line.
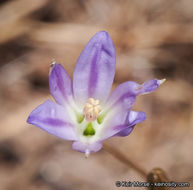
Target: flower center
92	109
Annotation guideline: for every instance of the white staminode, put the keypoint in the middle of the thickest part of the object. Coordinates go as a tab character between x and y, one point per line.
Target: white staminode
92	109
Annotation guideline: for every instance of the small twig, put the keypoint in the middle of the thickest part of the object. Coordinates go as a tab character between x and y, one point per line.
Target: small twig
121	157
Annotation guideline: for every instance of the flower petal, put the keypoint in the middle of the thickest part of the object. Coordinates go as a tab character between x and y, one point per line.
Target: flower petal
120	119
151	85
54	119
60	84
122	123
87	147
125	94
95	69
134	118
115	122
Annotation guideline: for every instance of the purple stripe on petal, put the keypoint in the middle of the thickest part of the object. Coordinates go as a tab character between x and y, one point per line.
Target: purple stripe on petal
54	119
116	122
93	75
119	128
95	69
125	132
60	84
133	119
48	121
87	147
150	85
122	123
56	122
125	94
120	102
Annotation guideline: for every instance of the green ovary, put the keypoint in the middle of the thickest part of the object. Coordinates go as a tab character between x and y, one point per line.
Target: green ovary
89	131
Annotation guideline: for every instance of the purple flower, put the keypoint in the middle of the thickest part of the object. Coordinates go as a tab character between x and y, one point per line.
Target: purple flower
84	111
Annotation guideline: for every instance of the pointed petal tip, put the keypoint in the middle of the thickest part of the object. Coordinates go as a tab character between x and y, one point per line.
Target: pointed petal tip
28	120
151	85
60	83
53	64
161	81
87	153
104	38
102	33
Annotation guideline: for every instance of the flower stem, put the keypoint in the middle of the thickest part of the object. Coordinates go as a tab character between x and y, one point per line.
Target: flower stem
121	157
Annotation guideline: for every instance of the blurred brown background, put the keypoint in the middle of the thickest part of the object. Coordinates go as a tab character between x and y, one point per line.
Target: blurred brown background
153	38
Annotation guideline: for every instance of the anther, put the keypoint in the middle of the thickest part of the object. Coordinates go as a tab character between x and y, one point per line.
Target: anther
92	109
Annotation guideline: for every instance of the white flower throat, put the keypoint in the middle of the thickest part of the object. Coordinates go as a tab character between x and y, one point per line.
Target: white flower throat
91	113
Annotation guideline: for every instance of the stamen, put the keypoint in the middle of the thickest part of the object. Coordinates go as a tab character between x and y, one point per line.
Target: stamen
92	109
